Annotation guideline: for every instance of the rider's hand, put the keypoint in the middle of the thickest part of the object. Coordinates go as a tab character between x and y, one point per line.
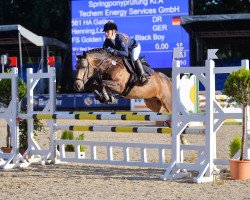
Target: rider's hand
110	50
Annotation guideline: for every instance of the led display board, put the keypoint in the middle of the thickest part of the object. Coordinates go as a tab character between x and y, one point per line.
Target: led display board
153	23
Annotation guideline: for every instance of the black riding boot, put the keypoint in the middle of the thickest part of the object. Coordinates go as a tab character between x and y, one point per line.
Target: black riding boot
141	71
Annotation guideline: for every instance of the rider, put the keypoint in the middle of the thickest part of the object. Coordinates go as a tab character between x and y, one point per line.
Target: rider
121	45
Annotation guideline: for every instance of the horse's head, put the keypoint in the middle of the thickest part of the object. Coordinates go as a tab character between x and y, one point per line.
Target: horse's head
86	65
82	68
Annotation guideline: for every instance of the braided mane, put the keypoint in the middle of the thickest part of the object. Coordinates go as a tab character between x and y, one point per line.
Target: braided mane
96	50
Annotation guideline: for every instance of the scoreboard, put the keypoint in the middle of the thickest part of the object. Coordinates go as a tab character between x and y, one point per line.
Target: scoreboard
155	24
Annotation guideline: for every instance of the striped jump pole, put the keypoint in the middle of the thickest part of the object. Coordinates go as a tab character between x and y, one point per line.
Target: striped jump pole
128	129
98	117
117	129
121	112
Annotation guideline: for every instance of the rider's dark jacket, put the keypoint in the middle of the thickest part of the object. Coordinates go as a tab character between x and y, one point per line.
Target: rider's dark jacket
122	46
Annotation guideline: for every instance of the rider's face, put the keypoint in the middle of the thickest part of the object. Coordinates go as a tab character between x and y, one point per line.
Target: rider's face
109	34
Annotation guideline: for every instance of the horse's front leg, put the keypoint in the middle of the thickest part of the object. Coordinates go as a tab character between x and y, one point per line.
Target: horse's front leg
101	93
98	93
106	95
108	85
113	86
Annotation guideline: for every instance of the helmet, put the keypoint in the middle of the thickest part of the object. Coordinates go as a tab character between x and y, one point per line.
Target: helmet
109	26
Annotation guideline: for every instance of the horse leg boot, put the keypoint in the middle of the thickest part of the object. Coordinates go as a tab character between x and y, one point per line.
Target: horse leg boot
142	73
107	97
99	96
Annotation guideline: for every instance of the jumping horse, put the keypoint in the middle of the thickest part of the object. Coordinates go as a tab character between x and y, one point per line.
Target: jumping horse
113	76
103	71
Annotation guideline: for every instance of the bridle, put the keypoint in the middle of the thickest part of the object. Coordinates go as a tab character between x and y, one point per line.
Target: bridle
85	72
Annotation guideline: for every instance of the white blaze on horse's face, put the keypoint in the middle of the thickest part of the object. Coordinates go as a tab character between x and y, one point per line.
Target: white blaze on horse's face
81	66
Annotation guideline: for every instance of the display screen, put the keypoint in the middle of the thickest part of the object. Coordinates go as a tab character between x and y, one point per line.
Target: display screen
155	24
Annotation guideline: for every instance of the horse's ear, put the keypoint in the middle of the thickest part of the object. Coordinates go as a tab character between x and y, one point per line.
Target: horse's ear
78	56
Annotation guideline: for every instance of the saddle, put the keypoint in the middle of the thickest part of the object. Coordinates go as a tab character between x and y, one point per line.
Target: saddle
131	67
129	64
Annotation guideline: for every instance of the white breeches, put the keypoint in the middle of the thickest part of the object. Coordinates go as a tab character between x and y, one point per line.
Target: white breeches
136	52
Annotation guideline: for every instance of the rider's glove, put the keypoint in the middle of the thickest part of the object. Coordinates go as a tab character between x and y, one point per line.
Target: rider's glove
110	50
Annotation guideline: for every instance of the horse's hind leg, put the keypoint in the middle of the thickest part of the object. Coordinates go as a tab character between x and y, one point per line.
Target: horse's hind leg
154	105
102	95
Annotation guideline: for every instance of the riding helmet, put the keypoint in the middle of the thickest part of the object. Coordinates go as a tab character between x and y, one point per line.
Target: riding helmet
110	26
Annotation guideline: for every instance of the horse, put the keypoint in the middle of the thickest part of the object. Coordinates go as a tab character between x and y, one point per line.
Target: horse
106	71
101	70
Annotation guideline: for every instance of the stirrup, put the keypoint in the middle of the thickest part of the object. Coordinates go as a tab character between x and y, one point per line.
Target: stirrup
144	80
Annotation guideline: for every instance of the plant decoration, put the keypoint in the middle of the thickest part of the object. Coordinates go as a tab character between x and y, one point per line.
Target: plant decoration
234	146
237	87
68	135
81	137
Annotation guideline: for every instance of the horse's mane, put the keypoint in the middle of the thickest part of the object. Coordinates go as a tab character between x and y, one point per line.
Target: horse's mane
96	50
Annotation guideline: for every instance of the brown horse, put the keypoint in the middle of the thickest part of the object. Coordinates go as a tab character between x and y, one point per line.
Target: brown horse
157	93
